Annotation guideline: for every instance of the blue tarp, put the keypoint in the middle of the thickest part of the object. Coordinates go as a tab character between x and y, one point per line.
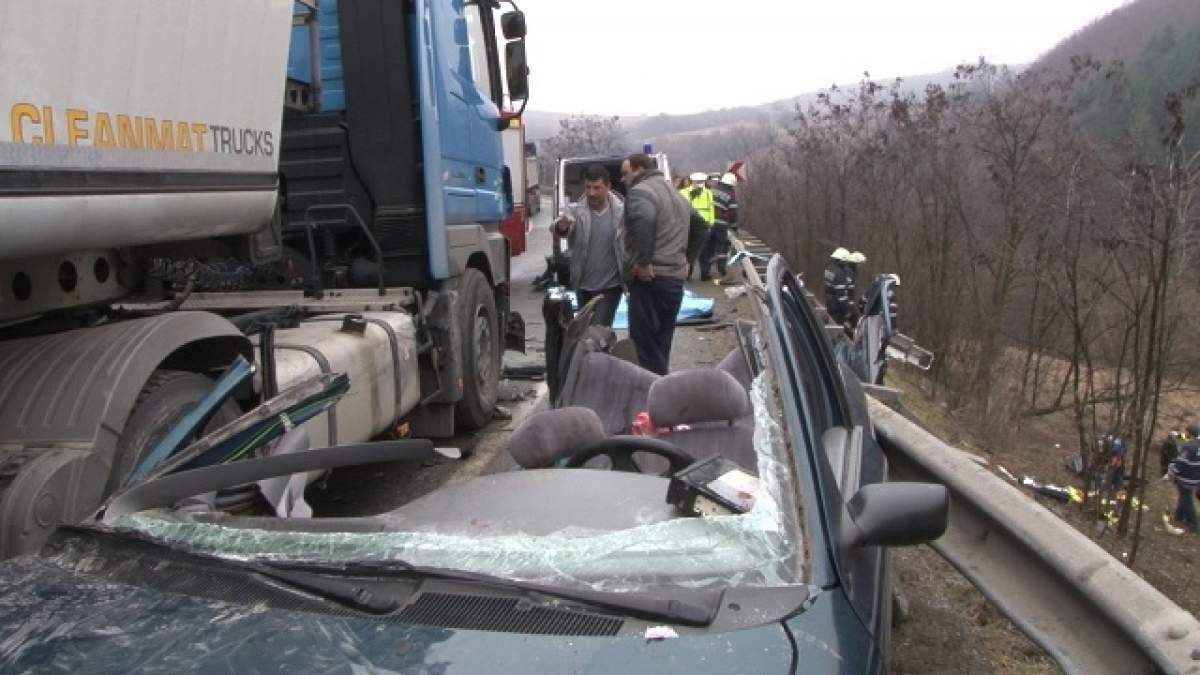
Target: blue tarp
694	309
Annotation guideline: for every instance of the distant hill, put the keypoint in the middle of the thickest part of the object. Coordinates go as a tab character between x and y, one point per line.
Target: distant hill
1158	43
709	139
541	124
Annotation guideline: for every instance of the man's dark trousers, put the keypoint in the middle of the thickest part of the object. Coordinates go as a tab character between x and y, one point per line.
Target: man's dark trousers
653	306
1185	508
607	311
716	249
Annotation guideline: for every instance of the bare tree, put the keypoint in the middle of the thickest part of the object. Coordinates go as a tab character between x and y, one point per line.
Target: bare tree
583	135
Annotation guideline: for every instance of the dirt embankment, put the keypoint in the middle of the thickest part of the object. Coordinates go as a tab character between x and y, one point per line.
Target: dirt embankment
1038	446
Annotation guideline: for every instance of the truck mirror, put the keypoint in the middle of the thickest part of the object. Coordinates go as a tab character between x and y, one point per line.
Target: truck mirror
513	25
517	70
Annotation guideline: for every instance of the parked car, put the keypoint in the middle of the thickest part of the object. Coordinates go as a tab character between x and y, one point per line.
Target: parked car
774	563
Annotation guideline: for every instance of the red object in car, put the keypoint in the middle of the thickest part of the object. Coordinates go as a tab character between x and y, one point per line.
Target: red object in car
644	426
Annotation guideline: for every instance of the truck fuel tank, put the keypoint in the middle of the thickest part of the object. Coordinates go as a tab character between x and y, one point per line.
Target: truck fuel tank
377	350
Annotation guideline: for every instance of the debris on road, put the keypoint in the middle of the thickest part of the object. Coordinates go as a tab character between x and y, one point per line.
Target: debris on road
660	633
735	292
1047	489
511	391
525	371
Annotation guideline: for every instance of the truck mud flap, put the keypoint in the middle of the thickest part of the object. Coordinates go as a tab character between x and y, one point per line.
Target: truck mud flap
514	333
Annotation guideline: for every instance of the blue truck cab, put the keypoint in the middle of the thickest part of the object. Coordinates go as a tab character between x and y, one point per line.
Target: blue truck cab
403	124
391	167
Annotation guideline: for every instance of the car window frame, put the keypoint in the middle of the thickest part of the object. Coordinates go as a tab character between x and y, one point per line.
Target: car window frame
823	504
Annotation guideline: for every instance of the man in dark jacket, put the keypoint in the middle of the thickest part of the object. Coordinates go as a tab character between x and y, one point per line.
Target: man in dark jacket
1186	472
726	207
655	235
839	286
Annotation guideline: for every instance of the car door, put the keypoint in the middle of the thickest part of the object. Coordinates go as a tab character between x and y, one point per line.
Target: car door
483	103
842	456
468	117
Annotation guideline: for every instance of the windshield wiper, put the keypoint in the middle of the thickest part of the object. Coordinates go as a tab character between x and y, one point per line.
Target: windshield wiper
350	583
684	606
346	592
170	489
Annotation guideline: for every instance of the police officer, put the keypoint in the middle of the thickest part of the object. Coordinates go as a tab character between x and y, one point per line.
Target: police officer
839	286
701	199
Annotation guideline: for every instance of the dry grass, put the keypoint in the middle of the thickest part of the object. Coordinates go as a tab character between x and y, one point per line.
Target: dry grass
952	628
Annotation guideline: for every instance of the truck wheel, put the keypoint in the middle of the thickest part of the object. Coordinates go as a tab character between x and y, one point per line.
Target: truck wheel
163	400
481	356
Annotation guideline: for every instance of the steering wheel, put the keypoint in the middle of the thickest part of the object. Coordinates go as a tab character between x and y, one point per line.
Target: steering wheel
620	449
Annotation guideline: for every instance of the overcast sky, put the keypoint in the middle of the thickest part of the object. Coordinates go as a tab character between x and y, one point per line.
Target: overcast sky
632	57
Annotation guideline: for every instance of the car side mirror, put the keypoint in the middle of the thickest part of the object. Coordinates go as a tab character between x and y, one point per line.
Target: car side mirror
898	514
513	25
517	70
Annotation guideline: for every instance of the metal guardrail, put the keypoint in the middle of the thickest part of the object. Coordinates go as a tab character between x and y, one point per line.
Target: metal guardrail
1090	612
1085	608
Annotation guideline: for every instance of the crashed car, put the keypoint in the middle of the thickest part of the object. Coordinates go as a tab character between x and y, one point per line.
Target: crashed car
725	519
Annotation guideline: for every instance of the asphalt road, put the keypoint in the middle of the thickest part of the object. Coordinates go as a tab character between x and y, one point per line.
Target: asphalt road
367	490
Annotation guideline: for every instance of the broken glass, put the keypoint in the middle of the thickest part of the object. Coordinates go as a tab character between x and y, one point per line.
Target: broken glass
758	548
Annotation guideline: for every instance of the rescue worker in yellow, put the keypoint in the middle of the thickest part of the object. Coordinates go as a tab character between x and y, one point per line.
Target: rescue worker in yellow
702	201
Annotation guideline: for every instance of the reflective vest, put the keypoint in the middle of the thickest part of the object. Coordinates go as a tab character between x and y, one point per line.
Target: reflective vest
703	203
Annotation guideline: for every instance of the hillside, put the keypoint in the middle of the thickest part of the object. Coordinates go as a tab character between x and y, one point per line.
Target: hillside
1124	33
709	140
1157	42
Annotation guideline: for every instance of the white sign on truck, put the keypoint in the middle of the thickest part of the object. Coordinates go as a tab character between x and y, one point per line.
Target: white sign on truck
120	107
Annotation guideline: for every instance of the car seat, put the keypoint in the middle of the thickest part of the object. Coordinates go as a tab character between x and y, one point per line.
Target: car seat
612	387
735	364
547	437
715	409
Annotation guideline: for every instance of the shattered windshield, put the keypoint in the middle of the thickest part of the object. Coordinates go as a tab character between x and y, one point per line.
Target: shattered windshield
758	548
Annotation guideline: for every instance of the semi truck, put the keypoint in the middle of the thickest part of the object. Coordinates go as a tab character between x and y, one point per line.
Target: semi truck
313	185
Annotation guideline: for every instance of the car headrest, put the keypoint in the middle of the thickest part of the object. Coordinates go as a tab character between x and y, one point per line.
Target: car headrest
694	396
735	364
548	436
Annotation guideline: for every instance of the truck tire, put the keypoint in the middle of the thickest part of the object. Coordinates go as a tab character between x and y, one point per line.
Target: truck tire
167	395
481	356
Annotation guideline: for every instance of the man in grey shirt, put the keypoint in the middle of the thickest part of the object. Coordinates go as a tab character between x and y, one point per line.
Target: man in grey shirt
655	236
590	227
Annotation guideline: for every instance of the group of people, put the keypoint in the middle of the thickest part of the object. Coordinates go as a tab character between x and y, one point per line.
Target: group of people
1179	462
714	199
643	245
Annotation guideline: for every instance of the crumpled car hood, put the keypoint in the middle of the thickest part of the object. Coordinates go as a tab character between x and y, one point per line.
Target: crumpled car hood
54	620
